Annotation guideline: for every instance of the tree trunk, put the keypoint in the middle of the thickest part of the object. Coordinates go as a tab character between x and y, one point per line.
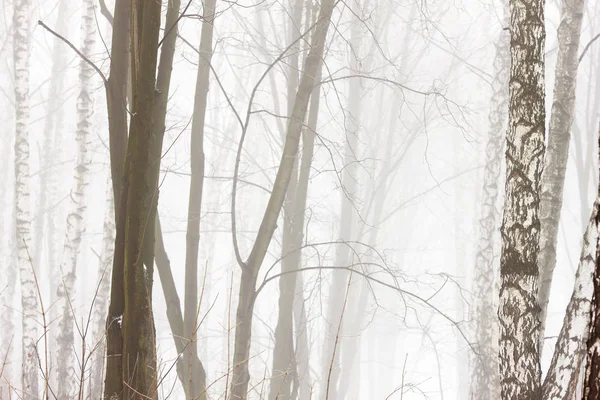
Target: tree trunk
101	300
250	269
52	138
561	379
77	210
50	182
591	388
330	358
518	309
302	352
29	297
135	326
559	136
196	376
284	366
116	98
485	381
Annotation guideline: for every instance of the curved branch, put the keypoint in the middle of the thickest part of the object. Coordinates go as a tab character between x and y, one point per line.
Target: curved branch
378	281
80	54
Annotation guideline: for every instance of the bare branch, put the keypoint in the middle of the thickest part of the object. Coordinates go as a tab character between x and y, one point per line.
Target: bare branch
79	53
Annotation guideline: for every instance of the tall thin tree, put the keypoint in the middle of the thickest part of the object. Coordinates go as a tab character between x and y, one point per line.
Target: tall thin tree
518	309
559	136
485	381
77	209
133	328
29	298
196	376
251	267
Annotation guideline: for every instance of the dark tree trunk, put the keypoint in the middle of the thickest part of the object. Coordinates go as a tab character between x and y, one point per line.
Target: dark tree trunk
133	325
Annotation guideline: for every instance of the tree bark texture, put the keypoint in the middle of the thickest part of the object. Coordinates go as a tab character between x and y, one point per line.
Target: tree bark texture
241	376
29	298
561	380
591	384
559	136
67	376
518	309
485	380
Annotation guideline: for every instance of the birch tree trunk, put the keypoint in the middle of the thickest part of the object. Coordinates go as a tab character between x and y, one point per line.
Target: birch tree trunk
562	376
101	301
29	298
50	183
7	257
518	309
587	288
52	138
485	380
591	386
197	387
559	136
77	208
250	269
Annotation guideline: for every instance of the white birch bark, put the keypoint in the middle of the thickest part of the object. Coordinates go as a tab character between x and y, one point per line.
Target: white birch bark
29	298
518	308
485	381
8	283
101	301
77	207
559	136
561	380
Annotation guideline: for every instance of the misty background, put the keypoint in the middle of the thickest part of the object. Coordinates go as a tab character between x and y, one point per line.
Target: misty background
396	181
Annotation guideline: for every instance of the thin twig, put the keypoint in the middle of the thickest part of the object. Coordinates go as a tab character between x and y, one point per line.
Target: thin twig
79	53
337	336
587	46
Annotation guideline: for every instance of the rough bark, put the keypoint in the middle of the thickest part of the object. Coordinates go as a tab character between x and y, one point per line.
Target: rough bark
29	298
250	269
591	282
518	309
196	376
101	300
559	136
485	380
67	376
561	379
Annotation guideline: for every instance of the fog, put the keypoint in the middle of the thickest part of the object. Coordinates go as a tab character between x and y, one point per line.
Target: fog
329	194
